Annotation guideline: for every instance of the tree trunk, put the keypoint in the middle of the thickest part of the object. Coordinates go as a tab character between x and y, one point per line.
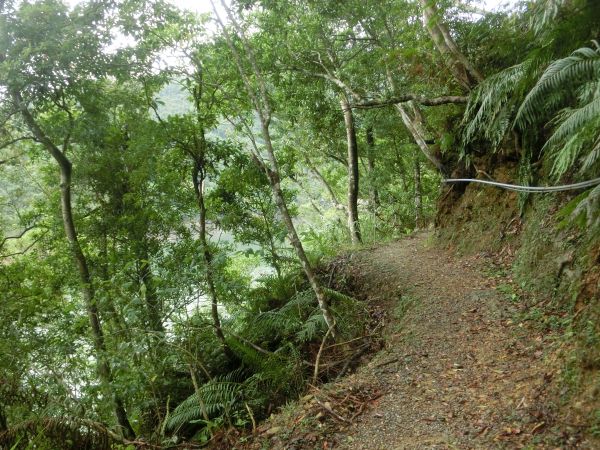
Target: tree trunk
89	298
197	153
153	305
373	191
80	260
416	129
198	181
275	181
114	317
260	101
353	224
401	169
336	203
3	421
417	133
462	69
275	258
418	195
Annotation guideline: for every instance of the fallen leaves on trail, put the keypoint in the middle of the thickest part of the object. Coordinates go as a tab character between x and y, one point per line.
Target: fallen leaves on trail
318	416
343	404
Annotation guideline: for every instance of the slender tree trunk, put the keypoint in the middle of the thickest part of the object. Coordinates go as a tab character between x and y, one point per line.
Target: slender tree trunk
415	127
153	305
327	186
198	181
260	101
336	203
401	170
198	396
418	195
197	153
87	288
353	174
462	69
114	317
275	258
418	135
3	421
89	299
373	191
275	181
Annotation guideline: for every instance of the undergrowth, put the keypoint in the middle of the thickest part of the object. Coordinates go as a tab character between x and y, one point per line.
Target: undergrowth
275	346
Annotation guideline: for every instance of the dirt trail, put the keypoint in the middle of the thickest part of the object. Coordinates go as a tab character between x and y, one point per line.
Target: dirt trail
457	372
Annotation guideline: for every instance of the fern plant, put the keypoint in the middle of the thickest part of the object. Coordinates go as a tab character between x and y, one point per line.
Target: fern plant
58	432
491	106
576	137
545	11
216	398
271	375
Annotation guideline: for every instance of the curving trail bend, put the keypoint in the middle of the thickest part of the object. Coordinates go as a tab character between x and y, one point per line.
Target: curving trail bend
458	370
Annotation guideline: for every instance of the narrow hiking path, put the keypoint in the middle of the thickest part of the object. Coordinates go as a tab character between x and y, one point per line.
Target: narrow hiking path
458	370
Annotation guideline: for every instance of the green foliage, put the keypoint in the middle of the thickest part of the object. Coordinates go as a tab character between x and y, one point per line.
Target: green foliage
583	64
595	428
530	93
194	302
218	396
490	111
273	372
575	138
582	210
287	319
50	433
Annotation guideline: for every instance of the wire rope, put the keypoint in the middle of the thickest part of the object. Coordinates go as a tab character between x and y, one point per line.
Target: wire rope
530	189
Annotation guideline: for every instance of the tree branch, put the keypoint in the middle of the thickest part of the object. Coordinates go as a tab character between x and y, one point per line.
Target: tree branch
19	236
38	133
435	101
336	81
25	250
325	183
14	141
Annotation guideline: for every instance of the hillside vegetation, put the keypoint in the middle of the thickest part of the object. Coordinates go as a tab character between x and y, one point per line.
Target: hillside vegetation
204	218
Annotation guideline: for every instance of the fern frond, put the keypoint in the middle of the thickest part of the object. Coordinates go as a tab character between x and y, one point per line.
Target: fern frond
338	296
566	156
574	120
248	355
582	65
301	299
545	12
589	207
592	158
216	396
491	105
578	130
588	91
285	320
275	322
313	326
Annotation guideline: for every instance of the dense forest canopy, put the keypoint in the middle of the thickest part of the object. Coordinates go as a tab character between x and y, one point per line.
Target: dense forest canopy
169	183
